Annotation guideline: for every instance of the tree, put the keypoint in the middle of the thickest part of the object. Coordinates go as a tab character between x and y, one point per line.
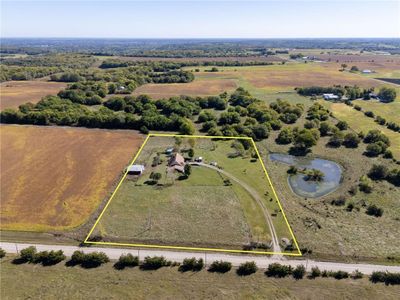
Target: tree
299	272
191	152
306	138
285	136
336	139
373	210
186	127
220	266
155	176
344	66
325	128
315	272
154	263
28	254
2	253
378	172
247	268
278	270
127	260
191	264
387	94
342	125
354	69
351	140
188	170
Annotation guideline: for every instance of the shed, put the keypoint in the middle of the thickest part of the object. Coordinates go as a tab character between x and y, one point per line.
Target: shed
330	96
136	170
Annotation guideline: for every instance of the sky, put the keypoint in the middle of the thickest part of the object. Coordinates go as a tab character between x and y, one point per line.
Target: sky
200	18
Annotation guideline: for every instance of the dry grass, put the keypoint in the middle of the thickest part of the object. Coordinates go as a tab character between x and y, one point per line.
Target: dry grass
206	87
59	282
15	93
54	178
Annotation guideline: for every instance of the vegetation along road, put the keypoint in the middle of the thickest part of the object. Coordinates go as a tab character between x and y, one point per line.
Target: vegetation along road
275	241
179	256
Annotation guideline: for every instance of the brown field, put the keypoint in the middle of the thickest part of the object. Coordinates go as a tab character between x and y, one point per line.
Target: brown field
15	93
206	87
54	178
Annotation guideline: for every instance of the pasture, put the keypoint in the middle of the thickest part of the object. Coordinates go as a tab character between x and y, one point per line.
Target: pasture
207	209
73	282
15	93
54	178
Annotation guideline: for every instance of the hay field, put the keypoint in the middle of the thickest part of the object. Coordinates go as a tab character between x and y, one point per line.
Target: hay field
54	178
15	93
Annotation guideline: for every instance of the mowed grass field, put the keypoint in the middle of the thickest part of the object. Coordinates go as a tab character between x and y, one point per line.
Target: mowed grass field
54	178
15	93
168	283
199	211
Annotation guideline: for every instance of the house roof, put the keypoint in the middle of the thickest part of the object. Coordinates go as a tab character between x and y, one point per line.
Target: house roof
176	159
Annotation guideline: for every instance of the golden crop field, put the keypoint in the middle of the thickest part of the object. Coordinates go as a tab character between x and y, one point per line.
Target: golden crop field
54	178
15	93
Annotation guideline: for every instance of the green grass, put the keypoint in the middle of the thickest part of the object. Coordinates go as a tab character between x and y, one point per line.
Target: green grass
200	210
60	282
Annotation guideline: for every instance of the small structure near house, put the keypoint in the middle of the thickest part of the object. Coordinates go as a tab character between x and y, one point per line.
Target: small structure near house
169	151
366	71
198	159
213	163
330	97
177	162
136	170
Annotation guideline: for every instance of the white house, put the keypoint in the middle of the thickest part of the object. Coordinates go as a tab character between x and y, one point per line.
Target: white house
136	170
330	96
366	71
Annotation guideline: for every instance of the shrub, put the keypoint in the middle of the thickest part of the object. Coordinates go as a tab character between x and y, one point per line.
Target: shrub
357	275
49	258
94	259
365	184
388	154
340	275
369	114
2	253
77	258
191	264
299	272
220	266
373	210
342	125
28	254
127	260
315	272
247	268
387	94
378	172
154	263
285	136
377	276
357	107
374	136
380	120
351	140
386	277
374	149
278	270
292	170
339	201
394	177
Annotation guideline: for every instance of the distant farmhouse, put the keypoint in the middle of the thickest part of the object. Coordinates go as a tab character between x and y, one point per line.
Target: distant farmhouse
366	71
177	162
136	170
330	97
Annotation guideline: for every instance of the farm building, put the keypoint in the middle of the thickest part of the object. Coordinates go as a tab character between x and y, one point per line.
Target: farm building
169	151
330	96
366	71
136	170
177	162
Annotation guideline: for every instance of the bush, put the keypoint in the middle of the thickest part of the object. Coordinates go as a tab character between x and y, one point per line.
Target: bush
386	277
374	149
373	210
339	201
28	254
278	270
315	272
94	259
247	268
342	125
299	272
357	275
77	258
191	264
351	140
340	275
369	114
220	266
2	253
378	172
127	260
387	94
365	185
49	258
154	263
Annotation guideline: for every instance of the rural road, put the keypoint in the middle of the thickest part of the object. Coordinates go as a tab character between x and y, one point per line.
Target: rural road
256	196
179	256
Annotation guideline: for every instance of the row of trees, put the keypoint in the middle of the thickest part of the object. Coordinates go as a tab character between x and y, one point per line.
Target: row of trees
96	259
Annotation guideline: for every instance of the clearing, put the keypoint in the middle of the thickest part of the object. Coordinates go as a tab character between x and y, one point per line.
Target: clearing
54	178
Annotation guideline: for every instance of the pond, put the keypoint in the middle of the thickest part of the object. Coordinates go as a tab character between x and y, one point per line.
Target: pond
307	188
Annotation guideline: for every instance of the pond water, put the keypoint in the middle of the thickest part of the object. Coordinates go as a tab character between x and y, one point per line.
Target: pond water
311	189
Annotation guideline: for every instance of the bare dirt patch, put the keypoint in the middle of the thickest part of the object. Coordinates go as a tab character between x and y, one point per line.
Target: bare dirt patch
54	178
15	93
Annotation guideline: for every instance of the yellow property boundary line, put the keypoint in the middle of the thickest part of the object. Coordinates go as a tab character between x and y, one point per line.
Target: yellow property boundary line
86	241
